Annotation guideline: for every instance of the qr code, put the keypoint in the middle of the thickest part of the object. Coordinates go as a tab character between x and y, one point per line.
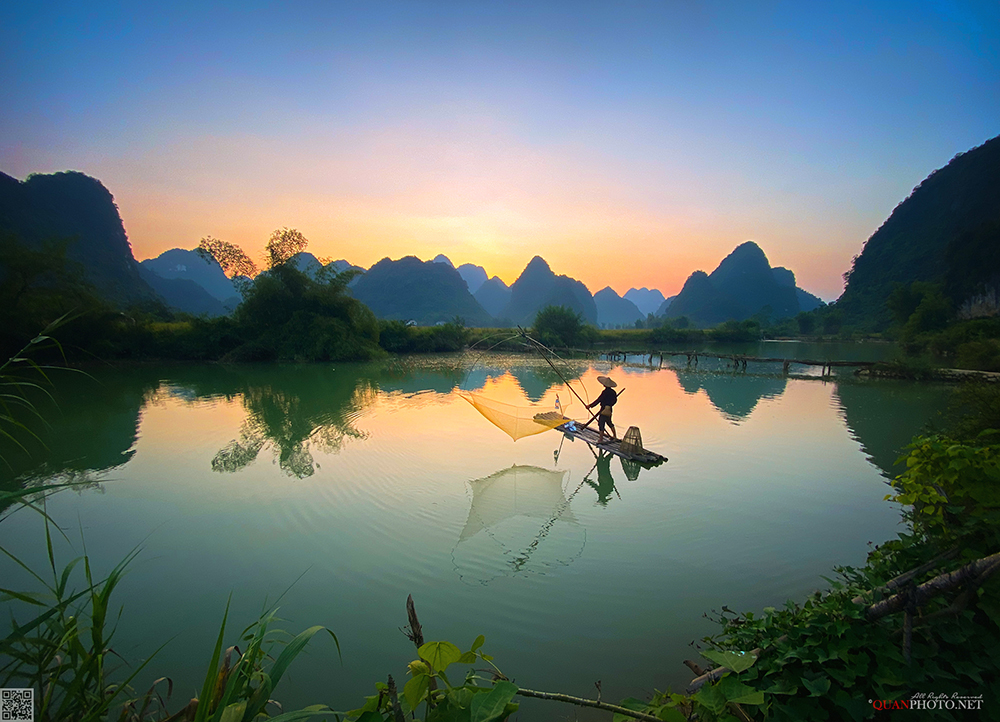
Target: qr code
17	705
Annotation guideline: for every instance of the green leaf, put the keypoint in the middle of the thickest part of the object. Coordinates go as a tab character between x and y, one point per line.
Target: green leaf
234	712
671	714
416	689
467	658
712	698
735	661
291	651
480	641
736	691
490	706
817	687
439	654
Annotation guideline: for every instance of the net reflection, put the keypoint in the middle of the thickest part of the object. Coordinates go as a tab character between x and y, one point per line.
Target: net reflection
519	522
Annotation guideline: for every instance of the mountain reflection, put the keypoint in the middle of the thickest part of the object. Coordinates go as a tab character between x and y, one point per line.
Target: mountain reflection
91	428
734	395
519	521
884	416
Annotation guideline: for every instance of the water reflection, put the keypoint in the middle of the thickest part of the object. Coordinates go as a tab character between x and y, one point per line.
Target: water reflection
605	484
294	414
519	522
91	429
734	395
885	415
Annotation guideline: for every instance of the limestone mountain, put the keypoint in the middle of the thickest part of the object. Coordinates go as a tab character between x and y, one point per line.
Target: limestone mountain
185	295
441	258
807	301
181	264
410	289
538	287
742	285
614	311
475	276
493	295
647	300
75	207
947	230
662	310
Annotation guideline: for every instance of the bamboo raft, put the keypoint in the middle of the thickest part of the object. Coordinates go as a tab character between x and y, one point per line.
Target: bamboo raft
589	436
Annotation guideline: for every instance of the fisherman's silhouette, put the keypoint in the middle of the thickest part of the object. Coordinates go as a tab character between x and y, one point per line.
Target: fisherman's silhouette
605	485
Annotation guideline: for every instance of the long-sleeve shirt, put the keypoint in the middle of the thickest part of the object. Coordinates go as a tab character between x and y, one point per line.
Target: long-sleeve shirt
608	397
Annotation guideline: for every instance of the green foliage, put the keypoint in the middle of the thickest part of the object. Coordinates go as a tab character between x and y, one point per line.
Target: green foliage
975	410
429	685
400	337
561	326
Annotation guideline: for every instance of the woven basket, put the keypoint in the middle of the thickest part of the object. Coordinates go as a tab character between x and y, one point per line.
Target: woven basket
632	441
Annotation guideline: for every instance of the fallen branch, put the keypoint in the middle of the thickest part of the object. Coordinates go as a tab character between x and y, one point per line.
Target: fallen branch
582	702
977	571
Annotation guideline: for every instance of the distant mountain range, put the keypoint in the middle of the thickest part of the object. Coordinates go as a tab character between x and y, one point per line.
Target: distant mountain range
413	290
614	311
79	208
645	299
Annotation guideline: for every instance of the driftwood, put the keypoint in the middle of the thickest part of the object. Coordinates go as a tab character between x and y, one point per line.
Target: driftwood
582	702
974	573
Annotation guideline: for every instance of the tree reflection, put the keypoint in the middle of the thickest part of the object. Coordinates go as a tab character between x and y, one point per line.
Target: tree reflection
296	413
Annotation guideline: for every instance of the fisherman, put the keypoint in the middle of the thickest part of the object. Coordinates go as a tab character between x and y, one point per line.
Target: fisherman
607	399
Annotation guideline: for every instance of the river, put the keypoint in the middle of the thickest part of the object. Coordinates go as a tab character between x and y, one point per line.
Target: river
340	489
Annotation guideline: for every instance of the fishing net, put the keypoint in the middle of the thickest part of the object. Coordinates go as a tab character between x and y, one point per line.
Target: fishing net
517	421
536	415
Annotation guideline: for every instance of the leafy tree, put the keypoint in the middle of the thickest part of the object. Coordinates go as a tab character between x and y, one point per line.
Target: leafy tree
806	322
560	326
234	261
282	245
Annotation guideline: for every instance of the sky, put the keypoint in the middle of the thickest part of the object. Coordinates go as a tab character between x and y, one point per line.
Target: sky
627	143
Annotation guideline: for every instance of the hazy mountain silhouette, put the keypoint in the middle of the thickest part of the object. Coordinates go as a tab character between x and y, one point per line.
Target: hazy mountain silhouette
184	295
474	276
665	305
742	285
441	258
647	300
79	208
410	289
181	264
940	232
493	295
613	310
807	301
538	287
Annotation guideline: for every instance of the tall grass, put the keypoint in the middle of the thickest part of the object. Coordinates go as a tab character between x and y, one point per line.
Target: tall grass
61	635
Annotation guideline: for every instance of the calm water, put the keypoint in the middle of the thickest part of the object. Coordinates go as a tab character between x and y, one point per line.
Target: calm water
351	486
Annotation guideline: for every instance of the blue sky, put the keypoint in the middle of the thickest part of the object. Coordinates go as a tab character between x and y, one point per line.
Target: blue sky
628	143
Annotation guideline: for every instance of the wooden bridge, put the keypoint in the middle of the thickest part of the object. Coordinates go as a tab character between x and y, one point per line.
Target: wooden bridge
737	361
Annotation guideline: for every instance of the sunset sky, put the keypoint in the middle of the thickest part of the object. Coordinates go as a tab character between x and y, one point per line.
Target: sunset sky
628	143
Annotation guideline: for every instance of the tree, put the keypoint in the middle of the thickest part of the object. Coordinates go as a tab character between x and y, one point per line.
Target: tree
282	245
559	326
234	261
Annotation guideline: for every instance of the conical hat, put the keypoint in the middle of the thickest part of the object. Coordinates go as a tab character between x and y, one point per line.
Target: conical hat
607	382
